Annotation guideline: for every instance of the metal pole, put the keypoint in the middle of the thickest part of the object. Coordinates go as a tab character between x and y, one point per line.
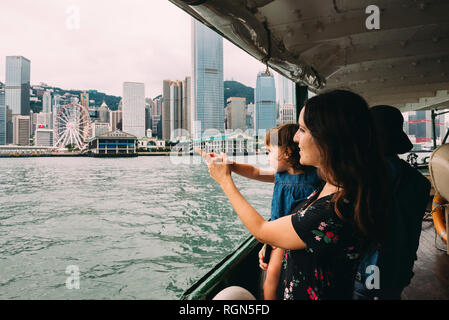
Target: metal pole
434	131
301	95
445	137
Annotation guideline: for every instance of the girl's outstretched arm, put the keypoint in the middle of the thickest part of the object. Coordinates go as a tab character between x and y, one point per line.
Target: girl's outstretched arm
251	172
247	170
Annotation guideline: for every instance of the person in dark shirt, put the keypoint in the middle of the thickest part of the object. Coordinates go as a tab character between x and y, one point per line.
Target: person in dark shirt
410	195
324	234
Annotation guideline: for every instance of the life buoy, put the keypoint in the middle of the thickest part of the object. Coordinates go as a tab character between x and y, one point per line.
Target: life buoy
438	216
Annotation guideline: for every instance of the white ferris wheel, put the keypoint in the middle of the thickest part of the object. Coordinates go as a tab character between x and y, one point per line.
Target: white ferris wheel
72	126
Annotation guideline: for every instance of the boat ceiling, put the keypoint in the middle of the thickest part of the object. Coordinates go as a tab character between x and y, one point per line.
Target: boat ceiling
325	44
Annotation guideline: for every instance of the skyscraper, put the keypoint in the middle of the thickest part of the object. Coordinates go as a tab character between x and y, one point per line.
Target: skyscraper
265	96
2	115
17	84
115	120
286	91
103	113
21	130
134	108
166	110
157	105
236	113
176	109
286	97
46	102
186	107
207	84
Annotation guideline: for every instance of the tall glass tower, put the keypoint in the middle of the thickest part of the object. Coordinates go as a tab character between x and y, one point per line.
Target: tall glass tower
207	85
265	110
134	108
17	85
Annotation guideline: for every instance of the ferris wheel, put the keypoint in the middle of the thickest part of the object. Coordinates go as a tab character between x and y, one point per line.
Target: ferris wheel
72	126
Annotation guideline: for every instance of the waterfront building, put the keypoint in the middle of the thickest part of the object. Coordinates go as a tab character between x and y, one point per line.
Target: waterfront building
287	114
17	85
84	99
43	137
265	100
134	108
113	143
233	143
103	112
25	150
235	113
115	120
2	115
150	143
207	82
21	130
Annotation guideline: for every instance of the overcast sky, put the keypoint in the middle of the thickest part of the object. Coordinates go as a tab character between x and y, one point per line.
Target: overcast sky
109	42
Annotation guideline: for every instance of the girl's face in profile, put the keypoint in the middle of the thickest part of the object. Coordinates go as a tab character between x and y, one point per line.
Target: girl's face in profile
276	159
308	149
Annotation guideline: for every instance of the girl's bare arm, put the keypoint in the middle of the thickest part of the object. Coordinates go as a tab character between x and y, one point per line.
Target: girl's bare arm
251	172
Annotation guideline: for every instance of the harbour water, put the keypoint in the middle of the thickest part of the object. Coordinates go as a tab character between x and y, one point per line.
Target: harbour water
135	228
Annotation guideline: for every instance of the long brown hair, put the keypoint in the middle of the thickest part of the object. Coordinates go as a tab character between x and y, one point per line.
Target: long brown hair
341	125
282	136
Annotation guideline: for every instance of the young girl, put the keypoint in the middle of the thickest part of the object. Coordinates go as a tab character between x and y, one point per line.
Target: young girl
292	184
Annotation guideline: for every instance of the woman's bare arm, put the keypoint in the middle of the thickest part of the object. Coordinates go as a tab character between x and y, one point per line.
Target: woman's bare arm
279	233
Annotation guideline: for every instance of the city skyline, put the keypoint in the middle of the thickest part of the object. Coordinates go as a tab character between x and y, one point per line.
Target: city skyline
97	51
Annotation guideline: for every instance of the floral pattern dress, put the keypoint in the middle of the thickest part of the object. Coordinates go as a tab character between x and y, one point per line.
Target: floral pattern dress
327	267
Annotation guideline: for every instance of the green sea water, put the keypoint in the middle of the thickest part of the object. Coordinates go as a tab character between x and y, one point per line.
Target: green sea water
134	228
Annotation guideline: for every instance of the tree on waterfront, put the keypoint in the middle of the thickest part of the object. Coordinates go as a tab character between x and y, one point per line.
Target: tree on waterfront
70	147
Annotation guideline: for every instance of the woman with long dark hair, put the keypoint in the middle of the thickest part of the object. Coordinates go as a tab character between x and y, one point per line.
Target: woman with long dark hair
325	234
